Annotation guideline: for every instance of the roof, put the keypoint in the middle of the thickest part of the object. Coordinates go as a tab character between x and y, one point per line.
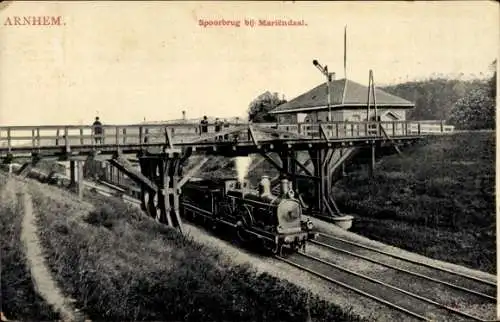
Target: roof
344	93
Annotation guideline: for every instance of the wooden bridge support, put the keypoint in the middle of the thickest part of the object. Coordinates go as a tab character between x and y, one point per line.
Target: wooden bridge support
289	167
164	171
372	161
325	166
160	198
76	176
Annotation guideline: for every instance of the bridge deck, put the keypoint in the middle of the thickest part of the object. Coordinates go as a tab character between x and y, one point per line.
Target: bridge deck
235	139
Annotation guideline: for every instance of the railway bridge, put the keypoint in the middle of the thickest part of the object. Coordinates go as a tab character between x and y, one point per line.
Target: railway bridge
162	151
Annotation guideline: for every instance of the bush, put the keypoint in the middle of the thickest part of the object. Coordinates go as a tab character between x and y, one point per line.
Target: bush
475	111
104	216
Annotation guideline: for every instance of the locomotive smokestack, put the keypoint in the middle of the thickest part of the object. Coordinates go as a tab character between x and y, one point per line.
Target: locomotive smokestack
291	192
265	186
284	187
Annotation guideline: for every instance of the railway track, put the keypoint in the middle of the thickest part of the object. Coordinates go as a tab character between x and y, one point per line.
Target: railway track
465	283
409	303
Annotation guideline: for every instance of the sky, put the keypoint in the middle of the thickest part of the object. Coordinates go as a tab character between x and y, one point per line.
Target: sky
126	61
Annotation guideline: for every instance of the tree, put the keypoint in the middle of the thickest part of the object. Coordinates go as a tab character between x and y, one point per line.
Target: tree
475	111
259	108
492	83
433	98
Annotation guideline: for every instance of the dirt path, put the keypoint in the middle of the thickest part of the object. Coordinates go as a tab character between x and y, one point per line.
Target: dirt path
40	273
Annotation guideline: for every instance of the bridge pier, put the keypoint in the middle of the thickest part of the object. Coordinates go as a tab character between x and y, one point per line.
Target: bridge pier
164	170
160	179
372	161
76	176
316	185
72	172
325	167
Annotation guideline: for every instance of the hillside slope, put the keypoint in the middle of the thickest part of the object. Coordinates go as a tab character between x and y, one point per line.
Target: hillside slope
120	265
437	200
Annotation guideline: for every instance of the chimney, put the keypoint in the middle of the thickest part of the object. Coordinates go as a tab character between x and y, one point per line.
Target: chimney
284	187
291	193
331	76
265	186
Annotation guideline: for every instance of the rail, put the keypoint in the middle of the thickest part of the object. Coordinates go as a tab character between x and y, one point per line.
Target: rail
429	276
395	297
179	133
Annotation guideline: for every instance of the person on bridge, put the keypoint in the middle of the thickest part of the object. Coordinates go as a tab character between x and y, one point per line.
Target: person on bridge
226	126
218	128
204	125
218	125
98	130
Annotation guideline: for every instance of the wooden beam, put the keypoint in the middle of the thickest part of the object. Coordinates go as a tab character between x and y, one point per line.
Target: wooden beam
72	172
282	170
27	166
256	164
79	183
191	173
274	163
302	166
372	163
327	205
165	194
390	139
323	132
168	139
202	138
175	195
334	204
124	165
252	135
282	132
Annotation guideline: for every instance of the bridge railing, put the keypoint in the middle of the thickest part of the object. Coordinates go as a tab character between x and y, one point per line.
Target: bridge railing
137	134
72	135
338	130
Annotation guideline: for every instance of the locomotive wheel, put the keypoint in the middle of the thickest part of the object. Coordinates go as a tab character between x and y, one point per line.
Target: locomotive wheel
246	221
243	236
278	248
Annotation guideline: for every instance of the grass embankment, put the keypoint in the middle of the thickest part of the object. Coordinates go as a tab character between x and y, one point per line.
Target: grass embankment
437	200
19	299
121	265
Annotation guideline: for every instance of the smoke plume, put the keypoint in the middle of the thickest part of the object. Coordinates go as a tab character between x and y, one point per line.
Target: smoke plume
242	165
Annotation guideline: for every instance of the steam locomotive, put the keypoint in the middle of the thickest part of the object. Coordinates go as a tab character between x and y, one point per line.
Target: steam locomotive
255	215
